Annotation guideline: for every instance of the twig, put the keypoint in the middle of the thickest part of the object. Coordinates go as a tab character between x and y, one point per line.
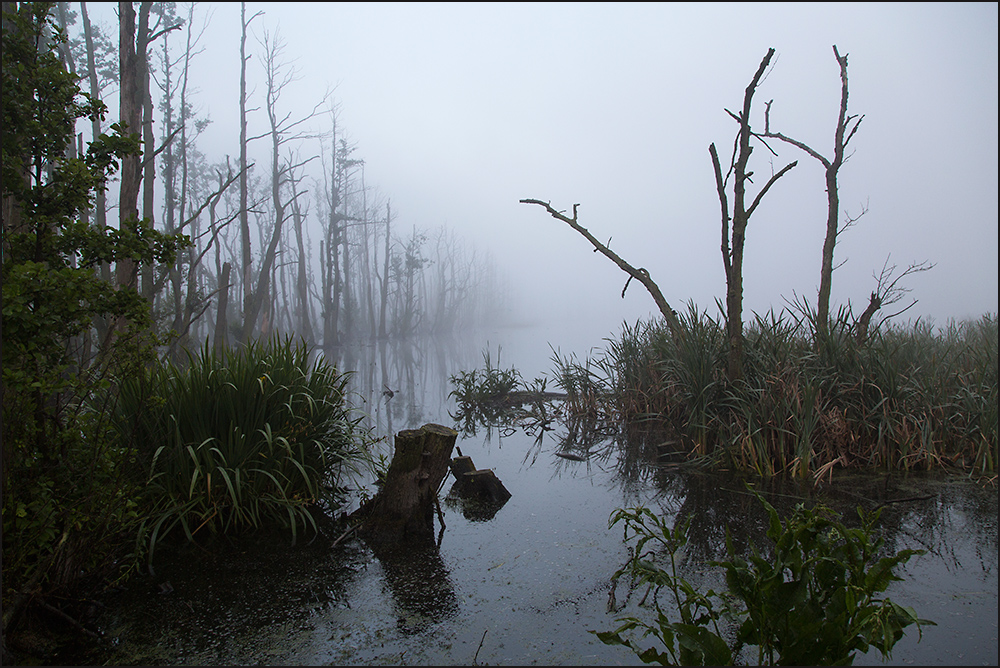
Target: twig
437	504
344	535
474	659
905	500
59	613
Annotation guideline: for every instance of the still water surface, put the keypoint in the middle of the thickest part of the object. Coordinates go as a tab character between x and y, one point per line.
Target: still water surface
526	585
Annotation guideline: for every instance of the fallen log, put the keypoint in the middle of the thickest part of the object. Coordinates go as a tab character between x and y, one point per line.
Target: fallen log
404	507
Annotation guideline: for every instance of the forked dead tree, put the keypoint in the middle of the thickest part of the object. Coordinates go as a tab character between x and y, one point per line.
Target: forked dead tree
732	247
846	127
640	274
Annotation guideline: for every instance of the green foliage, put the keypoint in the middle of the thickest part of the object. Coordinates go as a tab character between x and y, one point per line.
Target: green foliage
486	385
239	438
68	501
814	601
689	641
483	395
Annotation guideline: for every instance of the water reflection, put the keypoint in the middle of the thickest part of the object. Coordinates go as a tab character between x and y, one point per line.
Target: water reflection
419	583
402	383
536	574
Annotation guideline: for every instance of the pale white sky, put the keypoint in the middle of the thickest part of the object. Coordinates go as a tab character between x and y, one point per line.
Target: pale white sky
460	110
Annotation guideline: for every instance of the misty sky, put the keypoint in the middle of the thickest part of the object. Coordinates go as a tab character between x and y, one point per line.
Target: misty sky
460	110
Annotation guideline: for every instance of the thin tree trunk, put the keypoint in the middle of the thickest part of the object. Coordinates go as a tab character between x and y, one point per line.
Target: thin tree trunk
302	284
100	200
842	136
130	102
245	270
732	248
385	274
148	141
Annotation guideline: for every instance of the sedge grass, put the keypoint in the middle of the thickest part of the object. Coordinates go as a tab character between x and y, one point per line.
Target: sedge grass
240	438
907	397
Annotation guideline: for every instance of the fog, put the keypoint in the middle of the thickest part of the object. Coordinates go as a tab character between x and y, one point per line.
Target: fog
461	110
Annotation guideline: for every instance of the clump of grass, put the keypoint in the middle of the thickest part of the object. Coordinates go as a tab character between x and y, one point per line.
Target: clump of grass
487	385
906	397
240	438
586	385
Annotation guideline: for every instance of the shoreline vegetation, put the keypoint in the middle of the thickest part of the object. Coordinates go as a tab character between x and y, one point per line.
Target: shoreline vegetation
901	398
907	397
108	445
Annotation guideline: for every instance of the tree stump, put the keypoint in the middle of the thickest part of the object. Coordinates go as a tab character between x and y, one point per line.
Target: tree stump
479	484
404	507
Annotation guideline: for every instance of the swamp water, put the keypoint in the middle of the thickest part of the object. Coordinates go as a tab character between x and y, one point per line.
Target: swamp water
525	585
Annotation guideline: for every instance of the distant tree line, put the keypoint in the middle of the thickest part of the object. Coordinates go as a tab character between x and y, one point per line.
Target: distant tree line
286	235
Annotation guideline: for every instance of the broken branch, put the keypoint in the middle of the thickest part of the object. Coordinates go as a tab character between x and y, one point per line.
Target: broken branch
638	274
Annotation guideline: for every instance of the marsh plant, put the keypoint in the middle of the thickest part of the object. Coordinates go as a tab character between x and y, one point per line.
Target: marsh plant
905	397
487	385
239	438
814	599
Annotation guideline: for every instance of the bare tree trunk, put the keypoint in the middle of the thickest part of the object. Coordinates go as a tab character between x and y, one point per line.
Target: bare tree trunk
302	284
148	142
130	101
385	274
245	270
842	136
276	78
221	320
732	249
367	228
100	201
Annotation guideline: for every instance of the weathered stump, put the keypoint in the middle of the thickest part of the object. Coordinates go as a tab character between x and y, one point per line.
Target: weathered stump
480	490
480	484
404	507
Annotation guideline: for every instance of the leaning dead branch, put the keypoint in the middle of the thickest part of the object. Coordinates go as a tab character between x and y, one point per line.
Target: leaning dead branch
638	273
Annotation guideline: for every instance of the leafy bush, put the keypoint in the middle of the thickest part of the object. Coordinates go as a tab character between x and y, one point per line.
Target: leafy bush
240	437
814	602
68	496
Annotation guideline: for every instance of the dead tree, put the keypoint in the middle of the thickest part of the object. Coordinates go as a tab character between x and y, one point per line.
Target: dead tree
244	208
282	130
732	248
887	291
845	131
640	274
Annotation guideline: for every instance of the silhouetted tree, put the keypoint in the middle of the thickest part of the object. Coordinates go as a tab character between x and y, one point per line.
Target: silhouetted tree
842	136
732	246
